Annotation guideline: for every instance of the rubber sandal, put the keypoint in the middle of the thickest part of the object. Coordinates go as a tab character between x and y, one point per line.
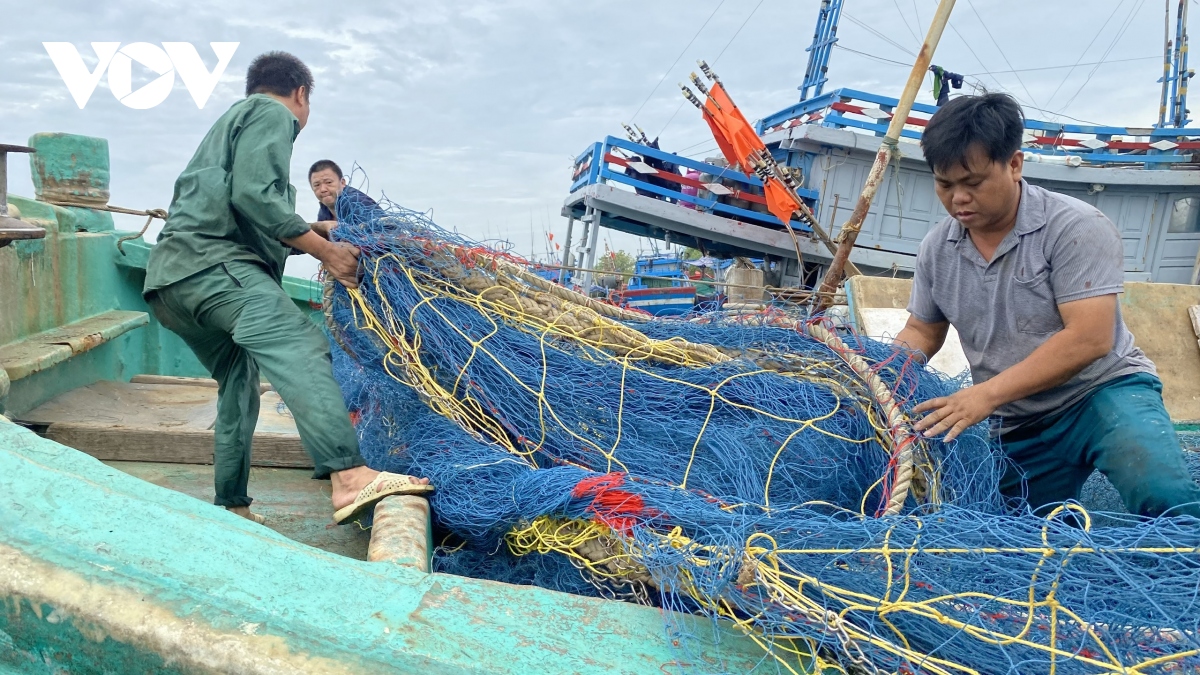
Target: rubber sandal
385	485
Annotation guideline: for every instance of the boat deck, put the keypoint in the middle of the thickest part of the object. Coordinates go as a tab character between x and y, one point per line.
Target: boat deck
293	504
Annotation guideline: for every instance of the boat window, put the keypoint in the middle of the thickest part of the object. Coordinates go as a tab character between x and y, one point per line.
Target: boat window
1185	217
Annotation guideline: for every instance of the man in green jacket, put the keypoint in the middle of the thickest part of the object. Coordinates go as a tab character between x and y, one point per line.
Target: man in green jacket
214	278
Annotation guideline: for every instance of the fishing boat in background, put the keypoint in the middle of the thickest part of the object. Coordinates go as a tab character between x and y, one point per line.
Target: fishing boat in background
659	286
1144	177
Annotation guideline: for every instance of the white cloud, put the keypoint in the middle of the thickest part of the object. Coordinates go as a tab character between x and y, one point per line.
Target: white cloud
474	108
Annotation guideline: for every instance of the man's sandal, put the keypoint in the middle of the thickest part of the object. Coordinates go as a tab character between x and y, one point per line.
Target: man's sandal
385	485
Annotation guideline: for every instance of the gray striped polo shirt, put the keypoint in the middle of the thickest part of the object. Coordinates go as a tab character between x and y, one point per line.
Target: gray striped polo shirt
1061	249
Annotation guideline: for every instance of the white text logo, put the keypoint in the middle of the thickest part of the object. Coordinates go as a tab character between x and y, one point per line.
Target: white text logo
167	61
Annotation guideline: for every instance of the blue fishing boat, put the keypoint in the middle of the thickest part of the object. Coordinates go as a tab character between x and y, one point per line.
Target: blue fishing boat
659	286
666	301
1143	176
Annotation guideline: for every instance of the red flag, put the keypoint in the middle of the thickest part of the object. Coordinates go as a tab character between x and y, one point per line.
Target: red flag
738	142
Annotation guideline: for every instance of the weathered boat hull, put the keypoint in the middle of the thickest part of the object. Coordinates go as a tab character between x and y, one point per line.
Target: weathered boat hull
103	573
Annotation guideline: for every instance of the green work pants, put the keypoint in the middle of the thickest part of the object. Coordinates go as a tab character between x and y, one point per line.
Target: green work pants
1120	428
237	319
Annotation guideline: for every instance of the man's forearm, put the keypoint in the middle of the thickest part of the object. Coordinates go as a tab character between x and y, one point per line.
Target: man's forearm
311	243
1057	360
926	338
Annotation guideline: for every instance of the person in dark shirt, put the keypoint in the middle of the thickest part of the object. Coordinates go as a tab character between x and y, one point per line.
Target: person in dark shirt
338	200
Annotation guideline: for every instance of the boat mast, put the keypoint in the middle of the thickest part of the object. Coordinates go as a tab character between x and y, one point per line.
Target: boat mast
822	45
1177	113
1166	76
888	149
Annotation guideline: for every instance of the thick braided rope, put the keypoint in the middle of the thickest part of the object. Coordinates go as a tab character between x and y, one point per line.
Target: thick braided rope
603	308
903	436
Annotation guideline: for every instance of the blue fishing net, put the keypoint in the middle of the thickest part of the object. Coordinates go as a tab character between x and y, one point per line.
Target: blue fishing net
732	468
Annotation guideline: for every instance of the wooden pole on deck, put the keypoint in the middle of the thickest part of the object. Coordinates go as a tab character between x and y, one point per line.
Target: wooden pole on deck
887	150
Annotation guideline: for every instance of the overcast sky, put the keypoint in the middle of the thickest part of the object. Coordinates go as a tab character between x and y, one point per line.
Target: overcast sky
476	109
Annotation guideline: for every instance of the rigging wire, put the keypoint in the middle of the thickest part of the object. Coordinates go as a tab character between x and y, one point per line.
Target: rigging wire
999	49
1157	57
676	61
878	34
738	31
1120	34
838	45
1001	72
905	20
980	82
1085	50
714	62
971	50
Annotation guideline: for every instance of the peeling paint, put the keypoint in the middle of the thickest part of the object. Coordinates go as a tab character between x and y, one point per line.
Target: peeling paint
135	620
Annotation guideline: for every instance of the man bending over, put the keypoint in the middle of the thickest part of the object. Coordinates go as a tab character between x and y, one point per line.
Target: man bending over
1030	278
214	279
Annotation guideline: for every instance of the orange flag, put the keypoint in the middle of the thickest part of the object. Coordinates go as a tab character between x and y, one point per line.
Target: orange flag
738	141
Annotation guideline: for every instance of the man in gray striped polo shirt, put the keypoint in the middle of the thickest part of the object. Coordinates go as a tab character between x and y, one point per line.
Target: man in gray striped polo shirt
1030	278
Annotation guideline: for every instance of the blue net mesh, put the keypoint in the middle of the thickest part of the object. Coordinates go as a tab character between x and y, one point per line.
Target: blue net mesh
730	468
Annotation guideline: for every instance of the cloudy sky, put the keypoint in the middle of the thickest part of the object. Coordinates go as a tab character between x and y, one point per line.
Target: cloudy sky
475	109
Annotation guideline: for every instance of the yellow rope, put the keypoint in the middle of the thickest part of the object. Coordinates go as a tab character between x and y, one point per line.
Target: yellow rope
506	298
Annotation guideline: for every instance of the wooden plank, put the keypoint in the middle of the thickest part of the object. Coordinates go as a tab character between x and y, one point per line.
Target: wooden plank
186	381
878	292
1158	317
206	382
48	348
161	423
181	446
132	405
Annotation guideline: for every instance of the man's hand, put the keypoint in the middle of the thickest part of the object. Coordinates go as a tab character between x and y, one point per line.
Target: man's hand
956	413
323	227
341	261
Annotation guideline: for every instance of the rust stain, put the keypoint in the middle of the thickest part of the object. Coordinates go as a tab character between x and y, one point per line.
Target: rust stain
87	342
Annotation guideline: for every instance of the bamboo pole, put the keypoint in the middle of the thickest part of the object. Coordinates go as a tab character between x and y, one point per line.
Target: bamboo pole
849	232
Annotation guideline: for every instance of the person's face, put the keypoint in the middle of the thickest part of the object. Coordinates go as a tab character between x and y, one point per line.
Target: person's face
983	194
326	186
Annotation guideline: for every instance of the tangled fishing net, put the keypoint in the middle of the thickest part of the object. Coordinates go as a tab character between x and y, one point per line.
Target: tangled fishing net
758	470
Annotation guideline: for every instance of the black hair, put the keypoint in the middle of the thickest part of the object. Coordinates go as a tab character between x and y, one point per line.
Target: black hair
322	164
278	73
993	121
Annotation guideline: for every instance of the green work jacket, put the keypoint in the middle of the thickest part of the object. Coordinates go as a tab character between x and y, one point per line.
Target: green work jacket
233	201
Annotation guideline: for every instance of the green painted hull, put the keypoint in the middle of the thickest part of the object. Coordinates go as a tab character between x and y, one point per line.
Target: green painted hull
103	573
